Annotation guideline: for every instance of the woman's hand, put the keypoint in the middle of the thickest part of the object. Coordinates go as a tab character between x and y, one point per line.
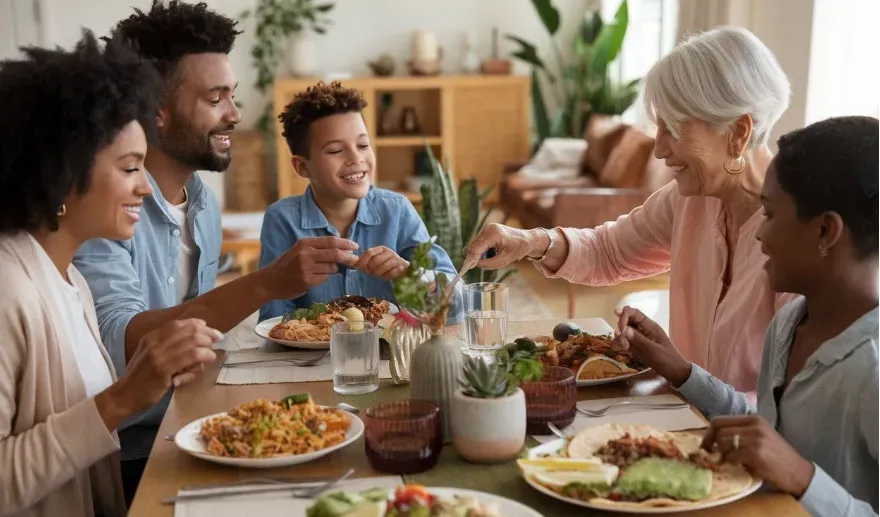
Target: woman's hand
173	354
649	344
510	245
751	442
382	262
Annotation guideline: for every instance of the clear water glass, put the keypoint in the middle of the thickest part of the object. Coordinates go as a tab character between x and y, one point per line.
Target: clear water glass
486	306
354	353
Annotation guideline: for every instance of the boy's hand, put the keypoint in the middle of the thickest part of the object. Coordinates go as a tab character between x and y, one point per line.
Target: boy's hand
382	262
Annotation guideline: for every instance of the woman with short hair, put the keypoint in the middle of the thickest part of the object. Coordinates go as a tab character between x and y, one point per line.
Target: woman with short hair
714	99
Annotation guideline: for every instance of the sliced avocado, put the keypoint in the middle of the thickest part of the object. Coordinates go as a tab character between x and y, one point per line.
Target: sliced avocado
657	477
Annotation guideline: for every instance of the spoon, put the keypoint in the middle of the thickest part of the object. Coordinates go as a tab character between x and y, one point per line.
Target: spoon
469	263
348	408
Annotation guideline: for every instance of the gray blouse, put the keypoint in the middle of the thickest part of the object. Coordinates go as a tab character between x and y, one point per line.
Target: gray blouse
828	413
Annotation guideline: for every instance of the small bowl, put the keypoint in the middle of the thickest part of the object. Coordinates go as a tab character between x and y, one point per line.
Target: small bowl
403	437
553	399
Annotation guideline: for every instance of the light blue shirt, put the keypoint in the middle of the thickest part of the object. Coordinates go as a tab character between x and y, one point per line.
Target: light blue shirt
828	413
384	218
141	274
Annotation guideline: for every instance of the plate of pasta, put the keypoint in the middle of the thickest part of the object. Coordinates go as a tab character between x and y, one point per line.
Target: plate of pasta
309	327
268	434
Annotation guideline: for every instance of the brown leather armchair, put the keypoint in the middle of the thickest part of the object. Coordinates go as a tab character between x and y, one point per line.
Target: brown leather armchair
602	134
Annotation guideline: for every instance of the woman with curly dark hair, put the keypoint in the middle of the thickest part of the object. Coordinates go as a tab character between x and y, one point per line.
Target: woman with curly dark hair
75	127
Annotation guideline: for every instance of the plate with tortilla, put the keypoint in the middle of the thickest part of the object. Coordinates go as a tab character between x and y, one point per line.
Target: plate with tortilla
635	469
590	357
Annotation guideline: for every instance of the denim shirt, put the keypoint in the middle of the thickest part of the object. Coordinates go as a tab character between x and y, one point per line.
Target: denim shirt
384	218
828	413
140	274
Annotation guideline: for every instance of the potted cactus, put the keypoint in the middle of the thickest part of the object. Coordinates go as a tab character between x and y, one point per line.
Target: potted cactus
454	216
488	413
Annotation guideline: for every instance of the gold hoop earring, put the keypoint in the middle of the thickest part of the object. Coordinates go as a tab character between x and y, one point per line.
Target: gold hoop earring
61	211
736	165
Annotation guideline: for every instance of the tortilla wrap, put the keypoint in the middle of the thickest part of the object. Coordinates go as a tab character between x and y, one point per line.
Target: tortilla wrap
730	480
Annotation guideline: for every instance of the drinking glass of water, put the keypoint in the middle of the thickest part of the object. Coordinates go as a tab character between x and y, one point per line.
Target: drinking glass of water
354	353
485	306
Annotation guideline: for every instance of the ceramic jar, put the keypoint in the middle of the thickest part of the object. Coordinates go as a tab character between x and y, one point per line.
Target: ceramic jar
489	430
435	370
302	54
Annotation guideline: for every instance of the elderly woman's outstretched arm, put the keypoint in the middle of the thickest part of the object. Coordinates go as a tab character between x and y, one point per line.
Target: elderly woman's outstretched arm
636	245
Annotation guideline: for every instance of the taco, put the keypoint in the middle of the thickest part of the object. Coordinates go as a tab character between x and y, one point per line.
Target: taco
602	367
656	468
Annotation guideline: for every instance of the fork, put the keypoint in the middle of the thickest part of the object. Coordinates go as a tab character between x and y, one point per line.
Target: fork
629	403
299	492
291	360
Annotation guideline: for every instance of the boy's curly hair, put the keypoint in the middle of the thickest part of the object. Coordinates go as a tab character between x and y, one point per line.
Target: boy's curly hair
166	34
60	108
316	102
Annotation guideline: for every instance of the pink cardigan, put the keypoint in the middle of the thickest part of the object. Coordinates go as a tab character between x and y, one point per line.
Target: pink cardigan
685	235
56	455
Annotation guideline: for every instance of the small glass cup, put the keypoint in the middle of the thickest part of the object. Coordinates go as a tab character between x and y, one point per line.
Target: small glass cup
403	437
354	353
486	306
552	399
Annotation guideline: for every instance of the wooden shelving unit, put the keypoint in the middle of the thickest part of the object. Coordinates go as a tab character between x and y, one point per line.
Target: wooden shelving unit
478	123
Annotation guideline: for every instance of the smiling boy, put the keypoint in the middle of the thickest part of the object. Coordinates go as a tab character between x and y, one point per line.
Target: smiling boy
326	134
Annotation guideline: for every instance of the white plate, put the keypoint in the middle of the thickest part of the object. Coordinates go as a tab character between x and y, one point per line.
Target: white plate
262	329
556	446
507	507
599	382
187	440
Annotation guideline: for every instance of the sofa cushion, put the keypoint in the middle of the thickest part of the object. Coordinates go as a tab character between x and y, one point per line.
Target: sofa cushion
602	135
626	165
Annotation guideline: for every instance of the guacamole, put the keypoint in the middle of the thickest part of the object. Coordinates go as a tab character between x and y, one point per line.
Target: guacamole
657	477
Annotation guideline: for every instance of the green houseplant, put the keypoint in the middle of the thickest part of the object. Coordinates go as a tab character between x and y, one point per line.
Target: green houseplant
583	86
277	21
455	216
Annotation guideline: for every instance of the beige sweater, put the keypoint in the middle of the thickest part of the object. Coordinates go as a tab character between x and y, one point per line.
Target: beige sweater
56	456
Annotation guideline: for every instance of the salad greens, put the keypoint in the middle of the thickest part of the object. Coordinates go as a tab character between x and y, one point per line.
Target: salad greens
311	313
520	358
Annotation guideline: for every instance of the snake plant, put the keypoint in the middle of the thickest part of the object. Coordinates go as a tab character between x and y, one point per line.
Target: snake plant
453	215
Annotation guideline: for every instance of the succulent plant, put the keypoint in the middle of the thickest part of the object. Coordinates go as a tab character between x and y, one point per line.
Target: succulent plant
487	381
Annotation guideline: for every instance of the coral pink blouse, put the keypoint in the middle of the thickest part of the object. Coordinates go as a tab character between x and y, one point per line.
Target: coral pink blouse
686	236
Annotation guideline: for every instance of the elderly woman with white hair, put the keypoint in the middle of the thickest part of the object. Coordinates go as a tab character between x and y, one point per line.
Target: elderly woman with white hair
714	99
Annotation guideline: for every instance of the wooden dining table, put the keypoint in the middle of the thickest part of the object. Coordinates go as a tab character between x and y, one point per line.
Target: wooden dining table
170	469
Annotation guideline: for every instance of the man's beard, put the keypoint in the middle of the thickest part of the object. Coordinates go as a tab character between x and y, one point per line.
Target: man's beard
188	145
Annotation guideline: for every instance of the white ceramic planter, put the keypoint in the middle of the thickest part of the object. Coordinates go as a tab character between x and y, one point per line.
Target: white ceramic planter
302	58
489	430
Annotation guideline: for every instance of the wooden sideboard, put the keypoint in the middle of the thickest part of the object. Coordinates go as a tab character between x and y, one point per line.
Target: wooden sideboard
479	123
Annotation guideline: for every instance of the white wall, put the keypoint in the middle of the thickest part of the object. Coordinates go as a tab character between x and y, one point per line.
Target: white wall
362	30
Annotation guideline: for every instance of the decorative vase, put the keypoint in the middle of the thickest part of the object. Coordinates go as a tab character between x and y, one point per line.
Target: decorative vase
435	369
409	121
302	58
489	430
470	61
406	333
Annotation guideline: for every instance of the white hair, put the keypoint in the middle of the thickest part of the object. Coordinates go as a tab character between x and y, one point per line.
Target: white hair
718	76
